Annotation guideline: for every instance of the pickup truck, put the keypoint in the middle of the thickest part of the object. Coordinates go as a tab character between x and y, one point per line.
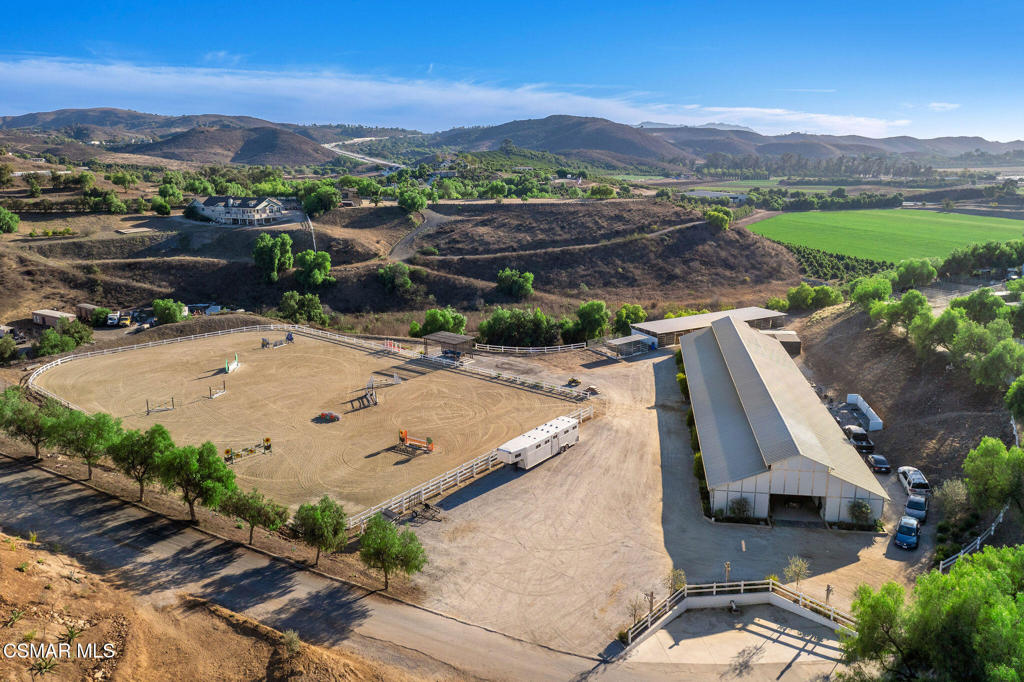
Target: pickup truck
125	320
859	438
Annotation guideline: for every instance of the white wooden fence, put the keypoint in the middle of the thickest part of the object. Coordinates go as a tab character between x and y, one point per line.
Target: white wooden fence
975	544
655	617
403	502
536	384
528	349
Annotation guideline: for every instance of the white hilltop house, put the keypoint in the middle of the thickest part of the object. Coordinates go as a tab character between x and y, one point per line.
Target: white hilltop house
240	210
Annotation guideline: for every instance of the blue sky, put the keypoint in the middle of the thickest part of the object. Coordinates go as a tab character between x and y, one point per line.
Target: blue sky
909	68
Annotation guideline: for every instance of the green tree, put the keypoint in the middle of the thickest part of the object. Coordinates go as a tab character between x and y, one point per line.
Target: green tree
198	473
439	320
995	474
871	289
518	285
717	219
255	510
76	330
601	192
967	624
34	188
395	278
99	317
160	206
139	455
383	548
8	221
302	308
796	569
273	255
629	313
322	525
981	305
24	420
412	200
800	297
87	437
124	179
6	175
593	319
971	341
313	268
171	194
8	348
167	310
915	273
52	343
1014	399
1000	366
825	296
515	327
777	303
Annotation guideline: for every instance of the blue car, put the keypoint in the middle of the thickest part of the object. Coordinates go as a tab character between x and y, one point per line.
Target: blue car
907	533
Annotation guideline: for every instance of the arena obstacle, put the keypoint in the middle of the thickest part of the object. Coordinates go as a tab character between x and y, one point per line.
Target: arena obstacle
267	343
230	367
164	406
231	455
328	417
368	398
392	346
221	391
409	441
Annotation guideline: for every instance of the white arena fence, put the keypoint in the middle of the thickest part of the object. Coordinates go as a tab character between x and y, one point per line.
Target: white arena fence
528	349
403	502
717	595
975	544
316	333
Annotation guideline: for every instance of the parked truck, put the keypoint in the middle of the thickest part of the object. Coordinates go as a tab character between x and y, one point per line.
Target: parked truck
545	441
113	319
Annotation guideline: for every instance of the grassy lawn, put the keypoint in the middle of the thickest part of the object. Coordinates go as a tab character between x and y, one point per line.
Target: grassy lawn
892	234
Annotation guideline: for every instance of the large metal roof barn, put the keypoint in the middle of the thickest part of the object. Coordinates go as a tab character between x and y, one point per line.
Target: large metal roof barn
669	330
764	434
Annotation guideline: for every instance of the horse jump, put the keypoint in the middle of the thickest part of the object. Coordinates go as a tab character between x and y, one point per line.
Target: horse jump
267	343
231	366
164	406
232	455
219	392
410	441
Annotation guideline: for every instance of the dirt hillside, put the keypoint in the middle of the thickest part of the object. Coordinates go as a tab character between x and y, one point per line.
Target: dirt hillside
49	597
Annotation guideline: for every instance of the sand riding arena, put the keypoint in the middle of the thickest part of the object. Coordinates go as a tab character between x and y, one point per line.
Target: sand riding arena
310	399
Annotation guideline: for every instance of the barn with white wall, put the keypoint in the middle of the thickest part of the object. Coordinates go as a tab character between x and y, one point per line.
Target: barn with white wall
764	434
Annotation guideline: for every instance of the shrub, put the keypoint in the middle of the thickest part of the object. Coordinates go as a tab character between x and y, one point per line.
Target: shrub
740	508
679	358
291	642
8	220
698	466
694	440
167	310
860	512
684	386
690	422
777	303
99	317
800	297
951	496
518	285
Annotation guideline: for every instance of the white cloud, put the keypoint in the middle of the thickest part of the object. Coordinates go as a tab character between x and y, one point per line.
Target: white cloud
222	58
943	106
307	96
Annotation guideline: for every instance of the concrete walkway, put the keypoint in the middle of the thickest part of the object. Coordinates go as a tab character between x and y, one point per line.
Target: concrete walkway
158	559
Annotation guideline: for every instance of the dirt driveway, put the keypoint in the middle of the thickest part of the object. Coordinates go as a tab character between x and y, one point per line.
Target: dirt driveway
555	554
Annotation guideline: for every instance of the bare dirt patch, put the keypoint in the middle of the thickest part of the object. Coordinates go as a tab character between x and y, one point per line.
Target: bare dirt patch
188	640
280	393
933	416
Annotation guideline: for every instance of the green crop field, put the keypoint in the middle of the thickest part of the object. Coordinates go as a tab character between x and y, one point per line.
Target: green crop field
893	234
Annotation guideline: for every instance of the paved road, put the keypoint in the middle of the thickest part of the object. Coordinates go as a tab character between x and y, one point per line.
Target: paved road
158	559
336	147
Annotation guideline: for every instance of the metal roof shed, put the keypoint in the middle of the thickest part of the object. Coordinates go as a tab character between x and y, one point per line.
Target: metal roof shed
449	342
668	330
632	344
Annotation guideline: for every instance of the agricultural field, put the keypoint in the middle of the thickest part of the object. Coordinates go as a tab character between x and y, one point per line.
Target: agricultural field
280	393
890	235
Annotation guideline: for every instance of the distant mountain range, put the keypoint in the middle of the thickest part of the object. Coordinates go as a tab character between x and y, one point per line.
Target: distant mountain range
214	138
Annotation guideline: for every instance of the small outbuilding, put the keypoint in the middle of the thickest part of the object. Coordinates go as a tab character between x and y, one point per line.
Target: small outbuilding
451	344
632	344
669	330
50	318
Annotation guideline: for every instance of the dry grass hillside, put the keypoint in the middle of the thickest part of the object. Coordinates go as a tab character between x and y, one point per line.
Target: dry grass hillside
46	595
257	146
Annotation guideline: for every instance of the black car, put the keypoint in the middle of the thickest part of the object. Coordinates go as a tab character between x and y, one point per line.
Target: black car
860	440
878	464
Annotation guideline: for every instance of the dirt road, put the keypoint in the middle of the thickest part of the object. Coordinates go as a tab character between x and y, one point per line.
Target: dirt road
431	221
158	559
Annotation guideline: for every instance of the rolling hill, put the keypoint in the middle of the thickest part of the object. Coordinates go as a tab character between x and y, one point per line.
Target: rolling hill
255	146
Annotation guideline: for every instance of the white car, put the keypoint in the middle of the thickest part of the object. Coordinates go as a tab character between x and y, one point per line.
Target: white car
913	481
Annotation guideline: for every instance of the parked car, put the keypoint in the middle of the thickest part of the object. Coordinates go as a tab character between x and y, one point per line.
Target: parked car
878	464
907	533
917	506
859	438
913	481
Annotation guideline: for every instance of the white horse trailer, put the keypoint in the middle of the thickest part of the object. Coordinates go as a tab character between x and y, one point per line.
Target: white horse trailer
545	441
